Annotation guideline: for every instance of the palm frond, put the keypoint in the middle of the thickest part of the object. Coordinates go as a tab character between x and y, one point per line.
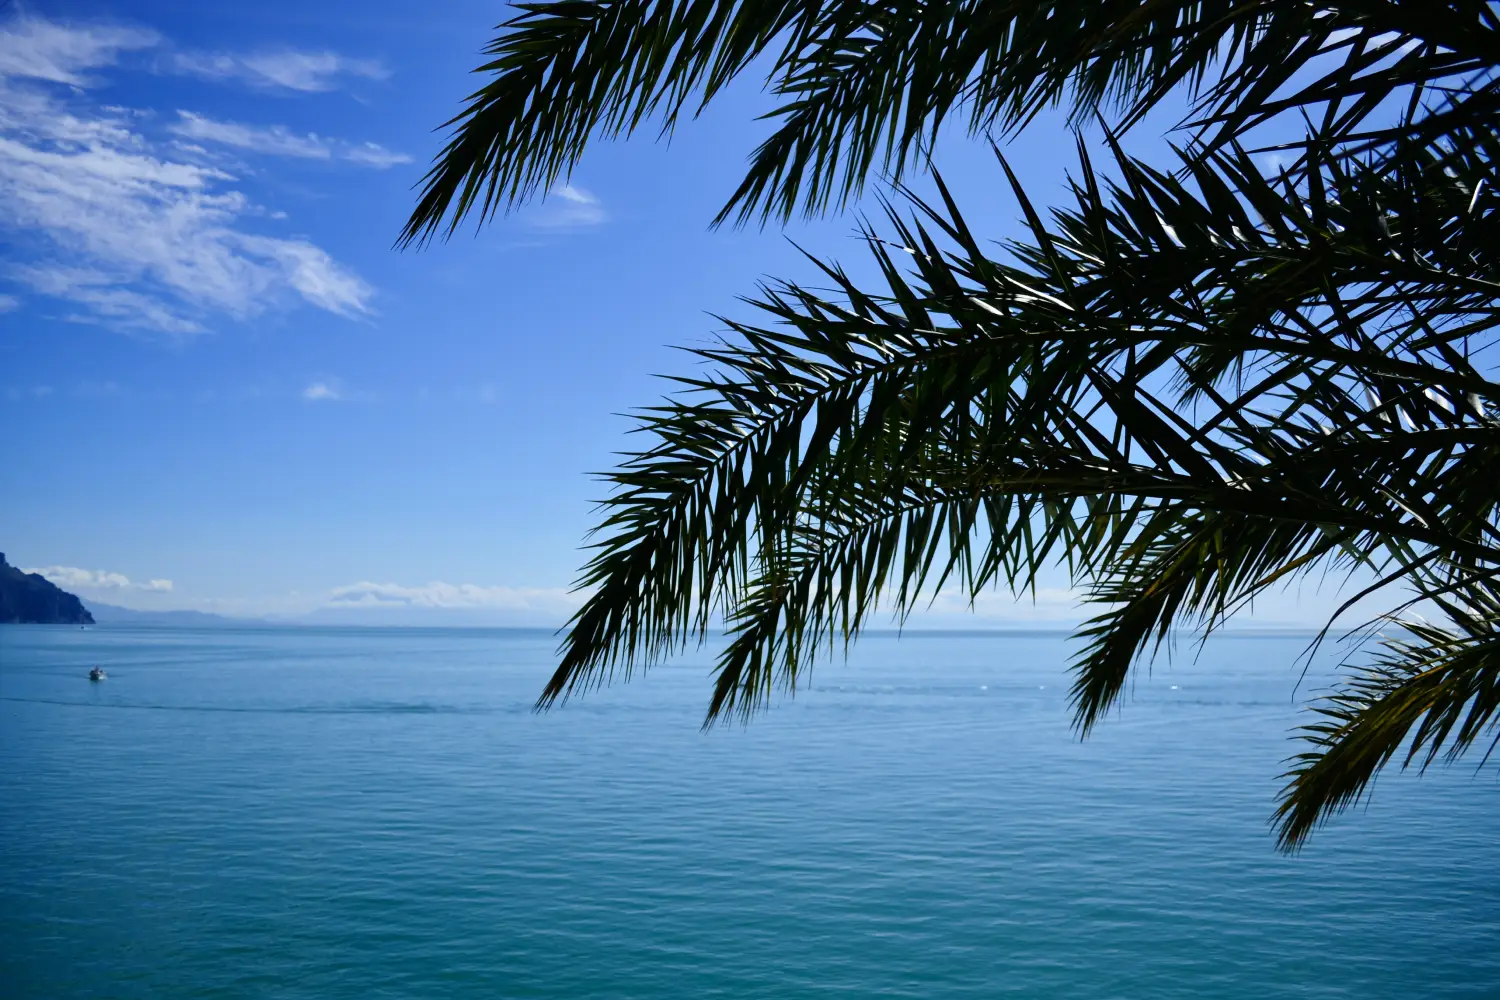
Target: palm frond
865	87
564	71
1434	691
1188	387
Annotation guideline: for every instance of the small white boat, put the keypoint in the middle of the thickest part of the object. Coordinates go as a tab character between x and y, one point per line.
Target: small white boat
97	674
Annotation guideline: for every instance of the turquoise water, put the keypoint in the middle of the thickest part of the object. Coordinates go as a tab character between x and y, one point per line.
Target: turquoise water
330	813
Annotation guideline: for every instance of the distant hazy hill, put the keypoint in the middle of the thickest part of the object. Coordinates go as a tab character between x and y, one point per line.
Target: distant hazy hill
31	599
109	614
424	618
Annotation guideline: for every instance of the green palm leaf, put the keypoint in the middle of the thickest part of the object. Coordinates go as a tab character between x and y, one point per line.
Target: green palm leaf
862	87
1434	690
1188	387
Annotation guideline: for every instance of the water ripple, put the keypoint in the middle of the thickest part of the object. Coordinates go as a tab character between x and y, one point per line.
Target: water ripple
330	815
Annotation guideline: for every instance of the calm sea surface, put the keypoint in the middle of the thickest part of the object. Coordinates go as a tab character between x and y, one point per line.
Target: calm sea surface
328	813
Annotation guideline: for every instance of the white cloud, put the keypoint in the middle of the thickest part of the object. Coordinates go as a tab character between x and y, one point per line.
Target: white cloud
275	141
371	154
314	274
321	392
74	578
133	234
42	50
283	69
278	140
9	302
452	596
104	301
568	207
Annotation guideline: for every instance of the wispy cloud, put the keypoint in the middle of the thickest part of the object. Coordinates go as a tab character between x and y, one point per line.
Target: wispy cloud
132	233
322	392
42	50
278	140
281	69
74	578
9	302
567	207
371	154
103	300
454	596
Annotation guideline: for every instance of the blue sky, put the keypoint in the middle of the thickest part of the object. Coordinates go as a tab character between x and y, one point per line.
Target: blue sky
224	390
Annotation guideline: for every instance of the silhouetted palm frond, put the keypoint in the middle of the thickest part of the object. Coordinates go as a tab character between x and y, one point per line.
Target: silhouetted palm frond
1434	690
864	86
1188	387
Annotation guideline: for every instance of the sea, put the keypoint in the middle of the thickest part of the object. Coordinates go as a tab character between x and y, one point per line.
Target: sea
330	813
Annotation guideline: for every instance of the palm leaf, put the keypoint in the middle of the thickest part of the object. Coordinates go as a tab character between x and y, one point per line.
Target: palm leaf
1190	387
864	87
1434	691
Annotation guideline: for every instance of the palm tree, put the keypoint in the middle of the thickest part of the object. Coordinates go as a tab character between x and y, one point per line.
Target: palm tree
1192	384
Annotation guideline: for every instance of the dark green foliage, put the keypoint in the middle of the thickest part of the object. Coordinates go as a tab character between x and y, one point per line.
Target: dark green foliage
1193	383
1435	690
864	86
1183	399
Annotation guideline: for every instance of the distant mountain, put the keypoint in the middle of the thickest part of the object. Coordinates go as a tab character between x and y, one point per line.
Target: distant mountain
109	614
32	599
407	617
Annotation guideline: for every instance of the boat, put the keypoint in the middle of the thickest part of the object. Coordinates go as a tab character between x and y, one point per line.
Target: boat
97	674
